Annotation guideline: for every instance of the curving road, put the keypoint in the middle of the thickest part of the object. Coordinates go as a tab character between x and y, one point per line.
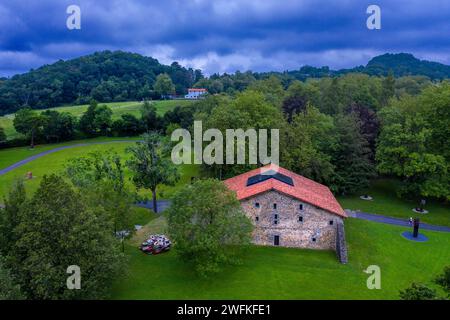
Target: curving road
393	221
44	153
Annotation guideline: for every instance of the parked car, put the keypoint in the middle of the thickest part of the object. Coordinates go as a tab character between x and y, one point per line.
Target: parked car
155	244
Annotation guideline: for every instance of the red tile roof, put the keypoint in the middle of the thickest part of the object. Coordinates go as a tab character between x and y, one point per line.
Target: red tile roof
304	189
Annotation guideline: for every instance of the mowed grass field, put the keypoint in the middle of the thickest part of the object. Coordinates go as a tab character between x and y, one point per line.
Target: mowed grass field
285	273
56	162
386	202
118	109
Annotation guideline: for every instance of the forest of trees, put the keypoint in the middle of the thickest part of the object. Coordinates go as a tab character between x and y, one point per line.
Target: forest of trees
104	76
342	130
121	76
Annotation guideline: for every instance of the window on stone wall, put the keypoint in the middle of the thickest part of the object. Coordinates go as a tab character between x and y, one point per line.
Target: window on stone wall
256	219
300	219
257	205
314	239
275	219
274	205
301	206
331	222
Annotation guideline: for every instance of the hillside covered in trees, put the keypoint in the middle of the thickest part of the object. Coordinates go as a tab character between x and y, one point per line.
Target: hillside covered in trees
104	76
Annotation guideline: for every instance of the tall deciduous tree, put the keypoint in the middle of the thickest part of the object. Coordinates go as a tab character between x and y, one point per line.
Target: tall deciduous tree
249	110
298	95
96	120
208	225
58	126
406	149
151	164
149	117
2	135
28	122
164	85
307	145
10	217
100	176
9	290
57	230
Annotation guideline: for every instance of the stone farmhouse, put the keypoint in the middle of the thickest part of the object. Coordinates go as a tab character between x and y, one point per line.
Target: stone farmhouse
290	210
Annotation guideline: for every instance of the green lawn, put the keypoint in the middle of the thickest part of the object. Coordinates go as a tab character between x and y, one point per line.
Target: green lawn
386	202
118	109
55	162
12	155
283	273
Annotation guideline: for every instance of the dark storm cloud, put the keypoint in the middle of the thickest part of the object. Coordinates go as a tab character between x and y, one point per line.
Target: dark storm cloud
219	35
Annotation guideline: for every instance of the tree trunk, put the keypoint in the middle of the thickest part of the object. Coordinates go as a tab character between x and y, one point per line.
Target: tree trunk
32	139
155	206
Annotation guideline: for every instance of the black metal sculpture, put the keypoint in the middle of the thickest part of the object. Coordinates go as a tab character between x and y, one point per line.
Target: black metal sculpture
416	224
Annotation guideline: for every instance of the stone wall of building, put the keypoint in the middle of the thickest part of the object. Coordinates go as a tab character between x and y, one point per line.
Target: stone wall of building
295	223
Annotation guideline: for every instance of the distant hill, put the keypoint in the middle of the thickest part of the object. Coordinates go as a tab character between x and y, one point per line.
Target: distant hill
400	64
105	76
405	64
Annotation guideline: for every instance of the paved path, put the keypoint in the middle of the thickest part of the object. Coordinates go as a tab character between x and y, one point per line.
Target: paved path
393	221
161	204
43	153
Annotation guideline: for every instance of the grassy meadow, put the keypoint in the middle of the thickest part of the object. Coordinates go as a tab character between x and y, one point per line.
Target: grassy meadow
285	273
118	109
55	163
386	202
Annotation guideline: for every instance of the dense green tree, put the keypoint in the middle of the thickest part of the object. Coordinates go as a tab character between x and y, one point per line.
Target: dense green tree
9	290
57	230
351	157
436	102
100	175
2	135
29	123
150	164
164	85
127	125
271	88
96	120
418	291
370	125
10	217
411	85
331	102
149	117
208	225
249	110
57	126
388	88
444	279
307	144
405	149
298	95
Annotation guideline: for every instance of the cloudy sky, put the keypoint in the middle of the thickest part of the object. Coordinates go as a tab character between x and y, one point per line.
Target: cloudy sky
223	35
